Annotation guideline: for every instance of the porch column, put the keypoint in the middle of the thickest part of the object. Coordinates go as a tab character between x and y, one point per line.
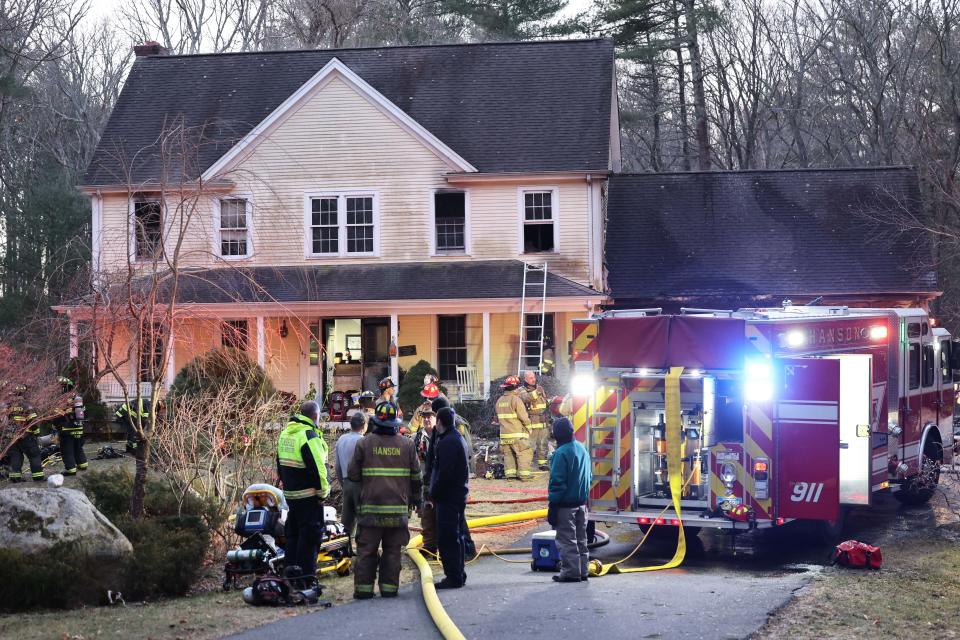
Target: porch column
74	340
395	337
486	354
261	352
171	366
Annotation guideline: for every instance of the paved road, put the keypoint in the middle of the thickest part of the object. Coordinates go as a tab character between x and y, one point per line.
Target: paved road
725	589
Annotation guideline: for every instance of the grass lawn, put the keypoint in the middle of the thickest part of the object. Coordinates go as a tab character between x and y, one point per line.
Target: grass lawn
916	595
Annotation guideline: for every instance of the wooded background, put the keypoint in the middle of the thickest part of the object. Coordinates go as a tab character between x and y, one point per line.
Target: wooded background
734	84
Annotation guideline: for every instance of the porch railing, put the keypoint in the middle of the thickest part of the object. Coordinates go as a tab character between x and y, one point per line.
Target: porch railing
112	391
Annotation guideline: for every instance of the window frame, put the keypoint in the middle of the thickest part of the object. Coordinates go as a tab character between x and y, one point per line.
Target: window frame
928	366
224	324
914	367
218	228
467	239
341	195
135	257
522	216
441	350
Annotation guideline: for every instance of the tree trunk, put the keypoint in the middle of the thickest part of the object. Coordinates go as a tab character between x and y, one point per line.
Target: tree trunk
656	158
682	95
699	99
139	491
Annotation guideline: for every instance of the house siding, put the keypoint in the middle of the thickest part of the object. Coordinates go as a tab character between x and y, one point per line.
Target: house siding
339	141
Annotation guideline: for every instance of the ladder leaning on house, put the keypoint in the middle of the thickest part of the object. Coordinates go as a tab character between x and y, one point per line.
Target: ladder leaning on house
533	305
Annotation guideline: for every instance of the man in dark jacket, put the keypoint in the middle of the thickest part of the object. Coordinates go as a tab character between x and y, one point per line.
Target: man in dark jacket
570	478
463	427
386	465
448	492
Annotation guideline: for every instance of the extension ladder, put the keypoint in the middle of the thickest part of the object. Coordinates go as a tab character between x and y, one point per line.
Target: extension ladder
532	303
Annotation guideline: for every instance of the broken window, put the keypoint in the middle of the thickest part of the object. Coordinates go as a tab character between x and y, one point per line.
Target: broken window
148	229
538	221
450	217
234	228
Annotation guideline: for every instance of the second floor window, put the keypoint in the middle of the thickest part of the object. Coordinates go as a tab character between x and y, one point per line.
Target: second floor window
236	334
234	228
342	225
538	221
450	216
148	229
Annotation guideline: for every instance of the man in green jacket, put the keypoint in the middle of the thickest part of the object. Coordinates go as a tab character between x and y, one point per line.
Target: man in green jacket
570	478
302	468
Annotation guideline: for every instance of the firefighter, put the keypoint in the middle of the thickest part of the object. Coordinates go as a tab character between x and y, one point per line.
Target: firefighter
388	390
514	431
302	468
23	421
128	420
548	362
423	441
535	399
386	465
368	402
429	393
70	426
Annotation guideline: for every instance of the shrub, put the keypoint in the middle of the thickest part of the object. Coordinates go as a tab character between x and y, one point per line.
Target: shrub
209	373
411	384
169	542
59	578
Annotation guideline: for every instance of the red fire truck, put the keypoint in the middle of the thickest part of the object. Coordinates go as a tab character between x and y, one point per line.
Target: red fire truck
785	413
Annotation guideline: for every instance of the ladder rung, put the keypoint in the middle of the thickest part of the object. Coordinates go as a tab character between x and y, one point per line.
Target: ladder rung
605	414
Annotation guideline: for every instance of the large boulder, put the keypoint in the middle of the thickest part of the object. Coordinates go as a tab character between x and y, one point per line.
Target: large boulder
57	549
36	519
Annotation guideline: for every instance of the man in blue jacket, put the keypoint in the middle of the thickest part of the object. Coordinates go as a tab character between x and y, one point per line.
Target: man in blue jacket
570	478
448	492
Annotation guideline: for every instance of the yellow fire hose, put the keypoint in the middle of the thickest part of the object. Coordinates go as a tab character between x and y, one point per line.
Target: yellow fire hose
443	621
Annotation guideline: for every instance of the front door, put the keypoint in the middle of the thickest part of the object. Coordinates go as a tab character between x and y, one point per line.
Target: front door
808	438
375	337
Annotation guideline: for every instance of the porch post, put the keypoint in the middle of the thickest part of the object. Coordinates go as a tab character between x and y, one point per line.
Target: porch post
171	367
261	352
395	337
486	354
74	340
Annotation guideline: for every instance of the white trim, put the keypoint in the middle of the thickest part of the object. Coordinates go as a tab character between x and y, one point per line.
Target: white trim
333	69
341	195
597	239
171	363
248	198
96	230
132	227
467	239
486	354
395	338
554	217
261	345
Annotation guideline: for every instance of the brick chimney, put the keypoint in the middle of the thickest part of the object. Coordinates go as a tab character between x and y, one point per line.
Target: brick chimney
150	48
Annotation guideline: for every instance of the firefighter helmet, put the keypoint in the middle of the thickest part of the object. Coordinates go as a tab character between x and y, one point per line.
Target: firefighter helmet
430	391
739	513
386	415
386	383
430	379
512	382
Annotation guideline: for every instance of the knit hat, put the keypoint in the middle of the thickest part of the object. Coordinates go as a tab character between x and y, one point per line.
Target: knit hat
439	403
562	430
447	417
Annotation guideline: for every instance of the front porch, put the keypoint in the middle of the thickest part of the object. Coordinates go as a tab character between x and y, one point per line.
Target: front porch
306	326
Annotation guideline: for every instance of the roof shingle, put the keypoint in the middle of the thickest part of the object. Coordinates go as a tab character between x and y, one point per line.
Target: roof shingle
754	233
508	107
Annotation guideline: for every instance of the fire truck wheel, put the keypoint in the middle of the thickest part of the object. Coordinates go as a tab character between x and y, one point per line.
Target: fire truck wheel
919	488
830	532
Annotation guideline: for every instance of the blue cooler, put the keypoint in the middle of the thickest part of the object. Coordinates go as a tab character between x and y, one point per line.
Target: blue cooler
544	551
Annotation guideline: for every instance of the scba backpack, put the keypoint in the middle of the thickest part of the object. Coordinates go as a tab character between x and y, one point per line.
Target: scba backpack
858	555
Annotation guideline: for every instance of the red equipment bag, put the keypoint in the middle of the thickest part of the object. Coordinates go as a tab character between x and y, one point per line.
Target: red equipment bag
858	555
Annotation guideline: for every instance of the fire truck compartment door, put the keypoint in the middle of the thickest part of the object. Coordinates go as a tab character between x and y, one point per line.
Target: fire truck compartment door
856	374
808	438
